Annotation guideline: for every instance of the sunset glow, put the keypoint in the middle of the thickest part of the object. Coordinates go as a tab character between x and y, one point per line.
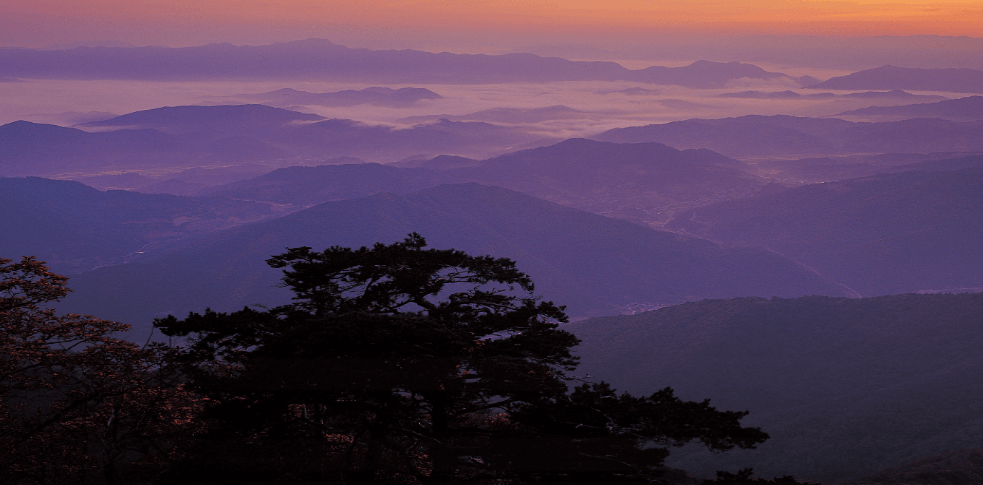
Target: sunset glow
184	22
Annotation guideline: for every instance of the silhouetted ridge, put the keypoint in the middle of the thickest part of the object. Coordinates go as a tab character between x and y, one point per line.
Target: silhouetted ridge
316	59
910	78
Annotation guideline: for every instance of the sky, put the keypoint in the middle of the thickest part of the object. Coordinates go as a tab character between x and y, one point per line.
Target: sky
39	23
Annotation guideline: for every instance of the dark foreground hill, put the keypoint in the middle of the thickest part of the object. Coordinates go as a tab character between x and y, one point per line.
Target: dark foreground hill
845	387
593	264
963	467
895	233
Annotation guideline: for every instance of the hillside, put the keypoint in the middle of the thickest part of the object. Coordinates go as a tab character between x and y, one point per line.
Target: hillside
910	78
172	139
845	387
894	233
789	136
963	109
641	182
595	265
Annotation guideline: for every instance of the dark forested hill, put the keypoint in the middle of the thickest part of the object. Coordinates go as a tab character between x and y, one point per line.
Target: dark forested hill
962	467
593	264
844	387
895	233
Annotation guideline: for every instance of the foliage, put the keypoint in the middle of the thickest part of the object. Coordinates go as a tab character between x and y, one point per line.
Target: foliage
745	476
402	363
74	399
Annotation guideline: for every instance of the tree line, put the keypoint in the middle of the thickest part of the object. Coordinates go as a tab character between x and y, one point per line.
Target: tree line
395	363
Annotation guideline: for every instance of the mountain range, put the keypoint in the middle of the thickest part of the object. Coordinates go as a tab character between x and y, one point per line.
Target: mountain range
324	60
963	109
642	182
201	136
376	96
789	136
909	78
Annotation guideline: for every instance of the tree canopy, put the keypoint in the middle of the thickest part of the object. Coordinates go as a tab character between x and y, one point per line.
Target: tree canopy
406	363
76	400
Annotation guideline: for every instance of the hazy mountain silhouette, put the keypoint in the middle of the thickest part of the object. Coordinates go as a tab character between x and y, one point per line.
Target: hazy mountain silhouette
595	265
787	136
307	186
185	136
638	181
376	96
510	115
910	78
736	137
34	149
844	387
443	137
75	228
706	74
962	109
324	60
636	91
893	95
896	233
642	182
828	169
440	162
239	120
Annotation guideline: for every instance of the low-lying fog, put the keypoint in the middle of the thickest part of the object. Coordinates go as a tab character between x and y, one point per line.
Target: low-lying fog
555	109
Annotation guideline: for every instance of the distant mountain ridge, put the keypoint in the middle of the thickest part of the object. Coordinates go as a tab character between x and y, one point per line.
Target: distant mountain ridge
76	228
886	234
376	96
964	109
184	136
322	59
788	136
641	182
909	78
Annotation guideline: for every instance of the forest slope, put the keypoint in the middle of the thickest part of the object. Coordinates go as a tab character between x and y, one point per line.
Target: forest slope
845	387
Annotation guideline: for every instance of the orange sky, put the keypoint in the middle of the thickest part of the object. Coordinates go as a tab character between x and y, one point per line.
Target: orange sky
192	22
